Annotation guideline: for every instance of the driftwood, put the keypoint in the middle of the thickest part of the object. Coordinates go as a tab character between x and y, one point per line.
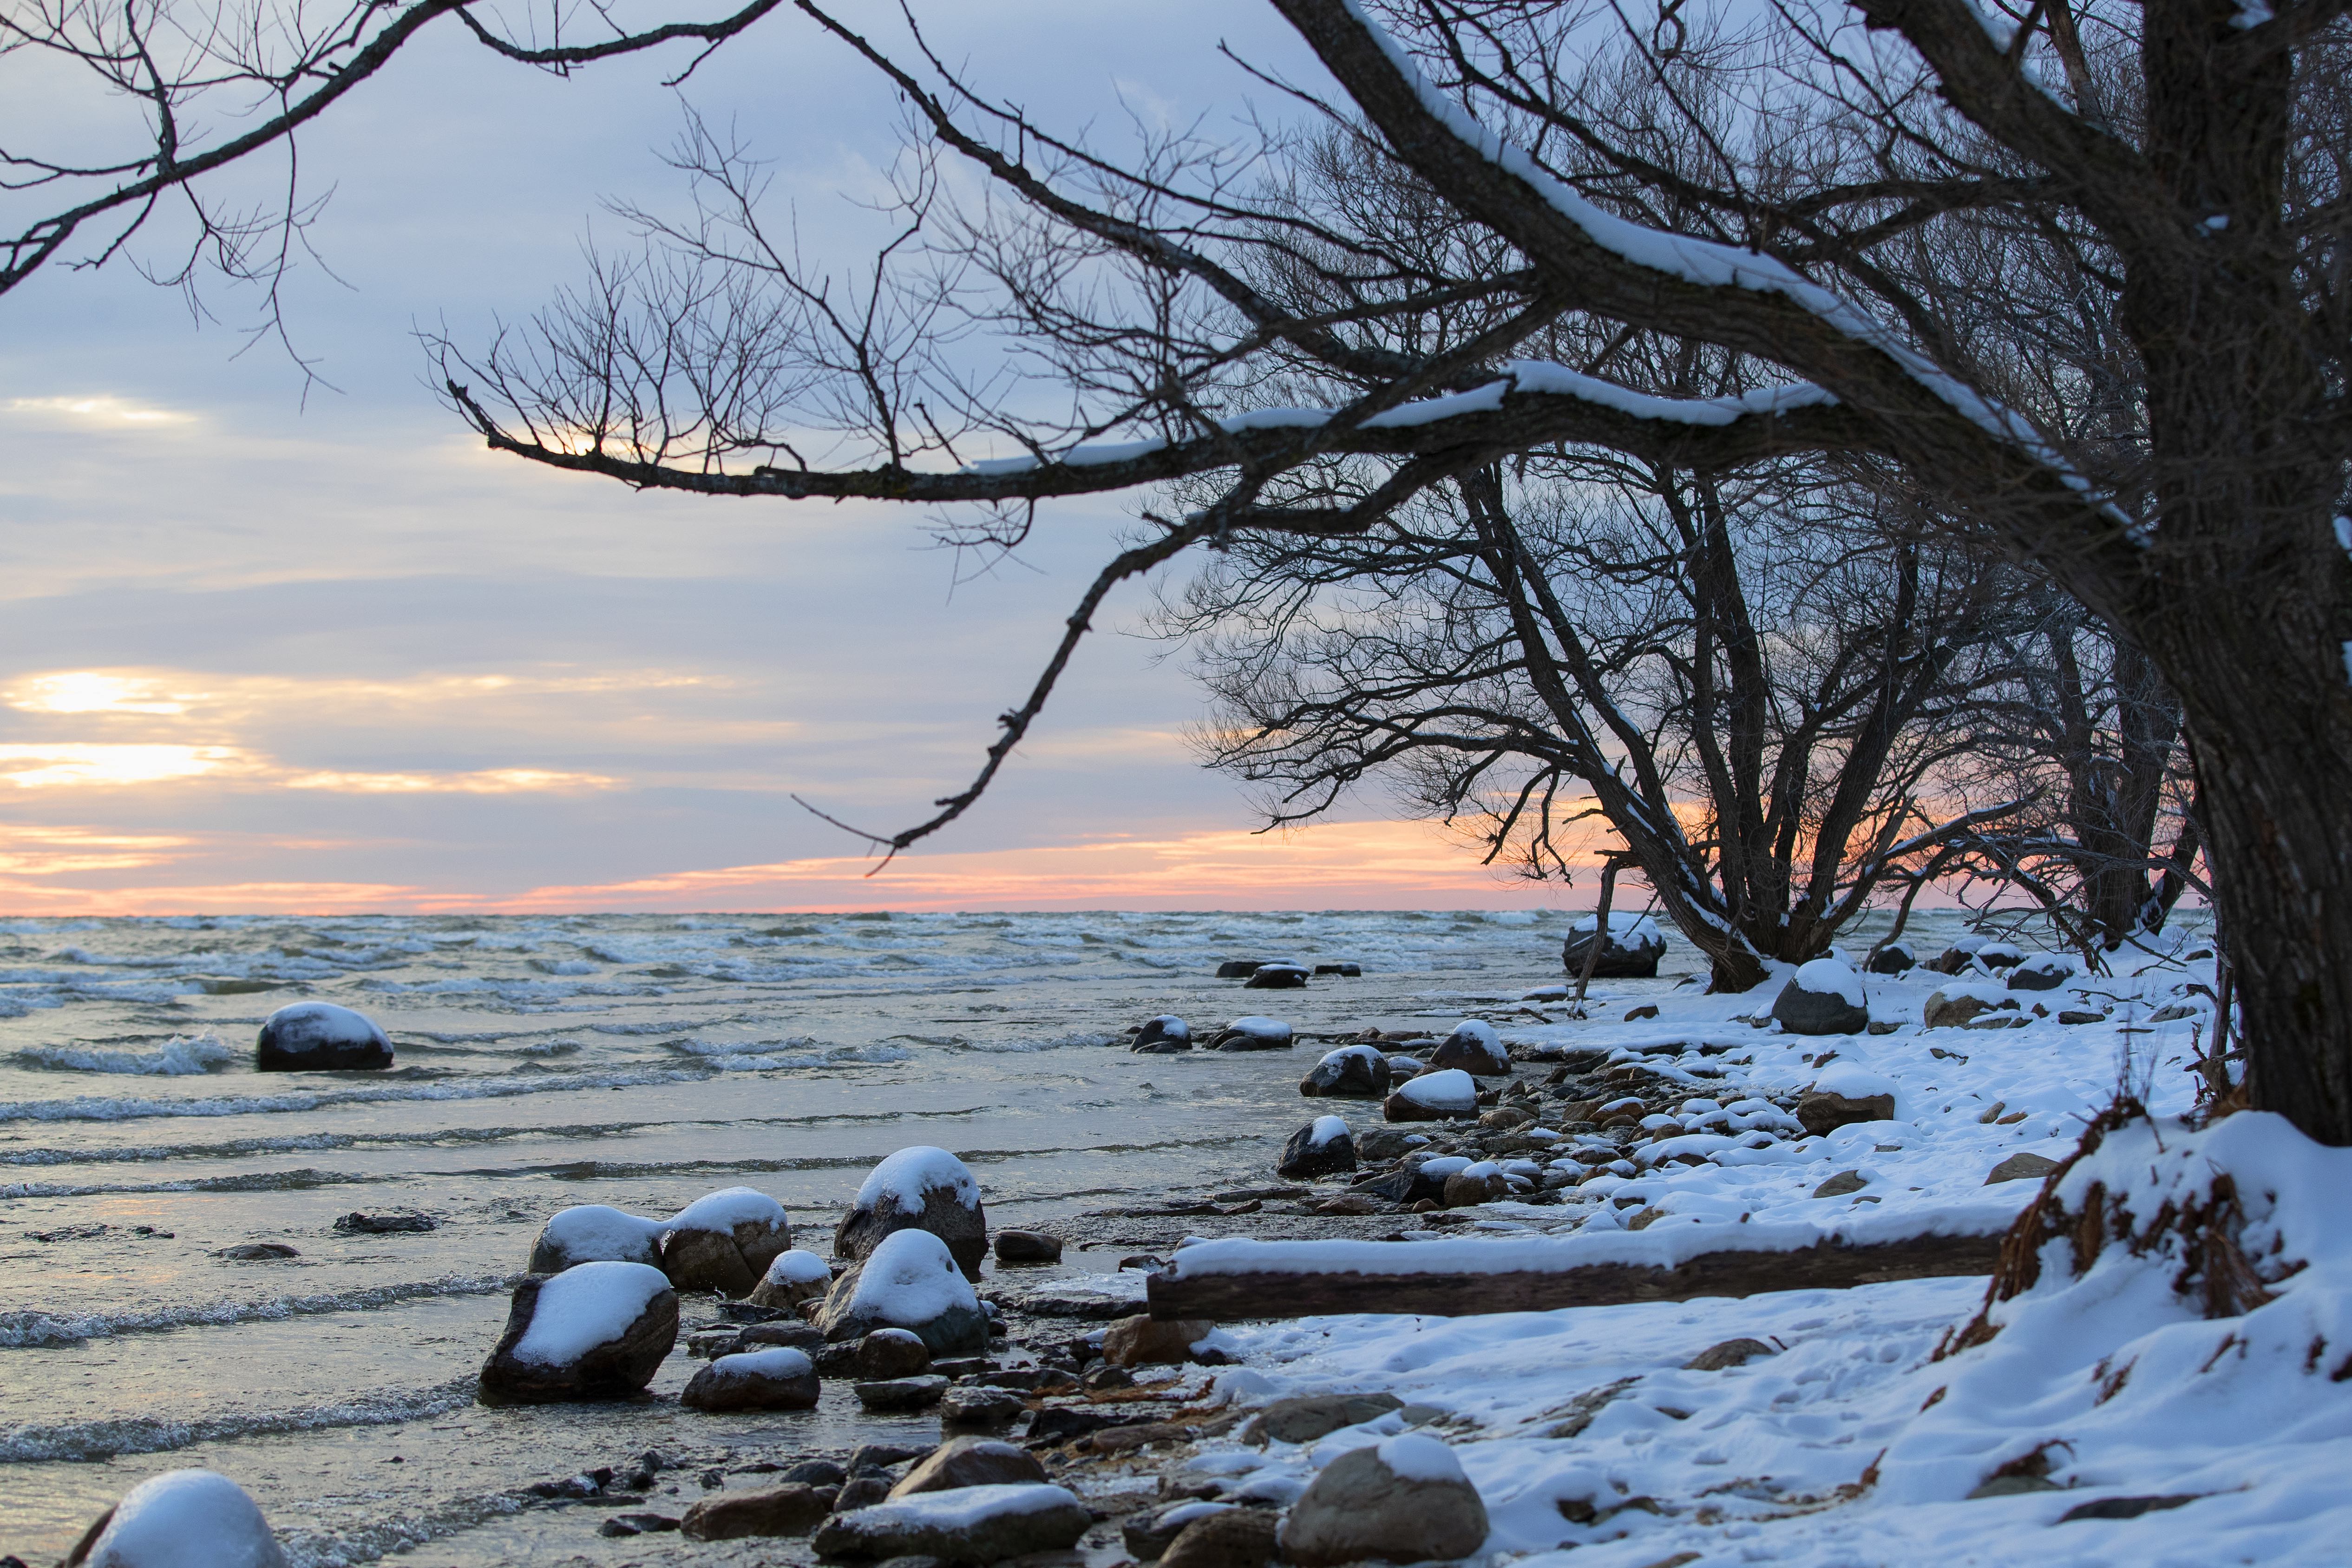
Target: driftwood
1826	1265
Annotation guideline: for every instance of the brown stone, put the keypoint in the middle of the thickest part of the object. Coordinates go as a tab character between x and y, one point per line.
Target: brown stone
788	1510
1841	1184
1143	1340
728	1384
1358	1508
617	1369
971	1462
965	1231
1463	1190
1821	1113
886	1353
1731	1352
1232	1538
2021	1167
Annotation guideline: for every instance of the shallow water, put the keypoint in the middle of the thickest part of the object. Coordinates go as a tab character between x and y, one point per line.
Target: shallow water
544	1062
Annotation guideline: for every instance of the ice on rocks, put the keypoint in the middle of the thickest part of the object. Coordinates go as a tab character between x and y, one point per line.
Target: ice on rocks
911	1280
595	1233
903	1181
1450	1088
185	1518
725	1209
586	1306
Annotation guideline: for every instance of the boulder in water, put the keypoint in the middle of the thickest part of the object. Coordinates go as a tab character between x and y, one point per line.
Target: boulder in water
1253	1033
310	1037
598	1331
779	1378
1352	1072
968	1525
1162	1036
1027	1246
1448	1095
1630	952
911	1280
1823	996
886	1353
1322	1147
1238	968
1403	1500
724	1242
918	1189
971	1462
793	1277
1474	1048
595	1233
178	1518
1276	977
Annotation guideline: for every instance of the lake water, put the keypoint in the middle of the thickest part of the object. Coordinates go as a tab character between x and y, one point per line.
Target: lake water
544	1062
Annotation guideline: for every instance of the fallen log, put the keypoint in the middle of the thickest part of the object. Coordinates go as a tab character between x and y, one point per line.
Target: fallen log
1230	1280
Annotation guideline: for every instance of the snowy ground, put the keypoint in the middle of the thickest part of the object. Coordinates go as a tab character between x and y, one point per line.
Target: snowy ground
1852	1443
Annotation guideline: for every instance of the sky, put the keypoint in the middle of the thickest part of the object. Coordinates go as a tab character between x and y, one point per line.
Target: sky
268	647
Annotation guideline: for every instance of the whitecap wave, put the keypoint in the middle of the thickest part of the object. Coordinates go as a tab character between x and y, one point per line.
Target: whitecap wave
111	1108
179	1057
39	1329
88	1440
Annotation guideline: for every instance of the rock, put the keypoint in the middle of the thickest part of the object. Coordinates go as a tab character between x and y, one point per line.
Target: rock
1845	1094
1304	1417
792	1509
970	1524
1162	1036
1352	1072
1404	1501
628	1524
919	1188
2022	1166
1823	996
1238	968
181	1518
980	1409
1147	1535
1883	1026
1345	971
778	1378
898	1394
1841	1184
1379	1144
1143	1340
724	1242
386	1222
798	1336
816	1473
257	1252
868	1458
2173	1012
2075	1016
1951	1007
971	1462
1631	951
1027	1246
1893	958
1731	1352
1999	954
892	1353
1482	1183
910	1281
1434	1097
312	1037
1253	1034
2045	972
1959	956
594	1332
595	1233
1503	1118
1276	977
1474	1048
1322	1147
861	1491
1235	1538
1407	1186
1646	1010
793	1277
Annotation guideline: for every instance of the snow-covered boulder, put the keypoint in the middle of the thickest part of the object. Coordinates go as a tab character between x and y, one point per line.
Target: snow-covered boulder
1893	958
1163	1036
971	1462
774	1379
1448	1095
1276	977
181	1518
309	1037
968	1525
1999	954
1403	1500
1630	952
793	1277
886	1353
595	1233
1322	1147
918	1189
1352	1072
1253	1033
1959	956
1474	1048
594	1332
1952	1006
724	1242
1483	1182
1823	996
2042	972
909	1280
1844	1096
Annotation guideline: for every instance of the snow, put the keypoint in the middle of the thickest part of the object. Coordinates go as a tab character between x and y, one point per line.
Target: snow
797	1267
1445	1166
1265	1027
729	1207
778	1361
1831	977
904	1178
910	1278
1350	1052
584	1307
1854	1083
1327	1129
961	1508
1449	1089
186	1519
600	1230
1415	1457
1171	1026
1480	1030
325	1023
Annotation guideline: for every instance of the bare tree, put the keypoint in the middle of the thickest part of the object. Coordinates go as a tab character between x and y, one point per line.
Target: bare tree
1814	168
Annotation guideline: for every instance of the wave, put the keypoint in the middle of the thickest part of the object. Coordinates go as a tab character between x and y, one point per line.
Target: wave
180	1057
256	1181
88	1440
97	1108
37	1329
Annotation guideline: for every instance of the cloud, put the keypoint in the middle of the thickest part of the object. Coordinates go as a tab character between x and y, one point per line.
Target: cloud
78	765
100	411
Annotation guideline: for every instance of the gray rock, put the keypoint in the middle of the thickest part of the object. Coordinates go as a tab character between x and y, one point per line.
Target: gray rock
1819	1113
257	1252
1236	1538
971	1524
1841	1184
555	1367
775	1378
1894	958
861	1491
1728	1354
792	1509
1276	977
948	1325
1404	1501
1320	1148
1811	1010
1378	1144
1633	958
1253	1034
1147	1535
1238	968
320	1036
971	1462
1345	971
1305	1417
1162	1036
1352	1072
1027	1246
2045	973
980	1409
2022	1166
886	1353
1475	1050
901	1393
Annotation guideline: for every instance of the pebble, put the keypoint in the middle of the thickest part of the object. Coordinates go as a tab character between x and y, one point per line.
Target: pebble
897	1394
1027	1246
